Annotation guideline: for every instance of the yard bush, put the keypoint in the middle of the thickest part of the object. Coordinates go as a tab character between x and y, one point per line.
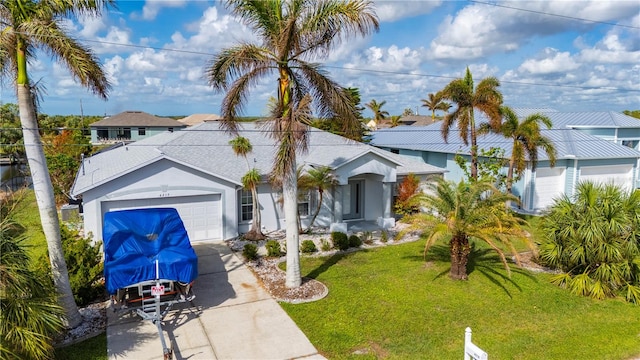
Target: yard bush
367	237
592	238
325	245
308	247
273	248
84	263
407	200
250	252
340	240
355	241
384	236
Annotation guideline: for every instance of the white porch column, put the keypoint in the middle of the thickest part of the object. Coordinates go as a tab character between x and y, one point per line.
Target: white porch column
386	220
337	204
386	199
337	224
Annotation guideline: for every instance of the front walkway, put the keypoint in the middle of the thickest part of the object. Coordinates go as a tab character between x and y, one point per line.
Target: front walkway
232	317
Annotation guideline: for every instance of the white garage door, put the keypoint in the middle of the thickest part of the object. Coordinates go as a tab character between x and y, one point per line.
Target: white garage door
201	214
621	175
549	185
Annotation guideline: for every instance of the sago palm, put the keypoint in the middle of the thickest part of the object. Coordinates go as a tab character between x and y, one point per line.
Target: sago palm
242	147
593	237
29	26
29	313
485	97
292	33
527	139
463	212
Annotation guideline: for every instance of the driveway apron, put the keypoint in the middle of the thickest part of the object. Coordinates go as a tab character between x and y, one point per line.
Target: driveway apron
232	317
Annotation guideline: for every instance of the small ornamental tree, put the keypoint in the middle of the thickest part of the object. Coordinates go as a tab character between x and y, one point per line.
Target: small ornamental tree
406	202
459	214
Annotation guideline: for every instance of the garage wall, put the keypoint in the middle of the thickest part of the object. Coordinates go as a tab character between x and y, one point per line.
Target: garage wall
164	179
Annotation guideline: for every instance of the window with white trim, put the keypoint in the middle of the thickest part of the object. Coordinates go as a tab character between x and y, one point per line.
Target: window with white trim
304	203
246	205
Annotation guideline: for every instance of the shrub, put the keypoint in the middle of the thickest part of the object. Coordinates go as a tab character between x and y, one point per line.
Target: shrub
340	240
273	248
325	245
384	236
308	247
84	264
355	241
367	237
250	252
592	238
406	202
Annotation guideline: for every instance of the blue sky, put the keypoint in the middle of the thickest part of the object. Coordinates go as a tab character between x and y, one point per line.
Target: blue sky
547	54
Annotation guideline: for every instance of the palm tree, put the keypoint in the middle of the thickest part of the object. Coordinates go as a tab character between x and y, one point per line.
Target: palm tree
378	113
319	179
458	213
436	102
395	120
592	237
29	25
29	314
485	98
242	147
526	141
291	32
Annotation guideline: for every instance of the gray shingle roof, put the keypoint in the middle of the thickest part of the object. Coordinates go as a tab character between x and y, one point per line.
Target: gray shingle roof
137	118
206	147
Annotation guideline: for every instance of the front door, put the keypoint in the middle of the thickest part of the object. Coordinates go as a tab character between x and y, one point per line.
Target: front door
353	200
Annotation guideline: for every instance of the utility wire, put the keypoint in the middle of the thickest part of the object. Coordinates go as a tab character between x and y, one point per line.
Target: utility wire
556	15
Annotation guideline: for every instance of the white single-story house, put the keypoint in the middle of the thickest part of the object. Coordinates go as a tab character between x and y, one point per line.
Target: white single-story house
196	171
595	146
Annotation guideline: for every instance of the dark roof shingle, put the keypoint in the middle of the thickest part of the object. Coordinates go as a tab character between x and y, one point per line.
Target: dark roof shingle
137	118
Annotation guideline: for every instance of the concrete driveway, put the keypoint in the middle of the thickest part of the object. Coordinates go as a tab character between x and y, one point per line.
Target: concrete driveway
232	317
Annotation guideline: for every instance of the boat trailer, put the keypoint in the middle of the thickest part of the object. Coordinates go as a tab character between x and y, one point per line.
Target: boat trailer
152	300
149	264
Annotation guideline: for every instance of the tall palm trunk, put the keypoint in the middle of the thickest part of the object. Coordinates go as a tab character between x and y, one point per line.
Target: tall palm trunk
460	250
257	220
290	195
512	164
474	148
318	207
46	203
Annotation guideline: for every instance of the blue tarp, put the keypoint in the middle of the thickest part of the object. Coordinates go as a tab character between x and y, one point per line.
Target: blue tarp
134	239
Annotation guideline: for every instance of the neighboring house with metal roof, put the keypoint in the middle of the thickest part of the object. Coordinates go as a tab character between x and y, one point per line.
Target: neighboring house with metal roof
595	146
131	126
196	171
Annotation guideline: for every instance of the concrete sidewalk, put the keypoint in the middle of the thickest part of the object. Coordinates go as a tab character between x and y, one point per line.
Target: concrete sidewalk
232	317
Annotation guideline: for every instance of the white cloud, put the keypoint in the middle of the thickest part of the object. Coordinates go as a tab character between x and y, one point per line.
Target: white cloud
389	11
115	41
91	26
481	30
152	7
551	61
214	31
392	59
612	49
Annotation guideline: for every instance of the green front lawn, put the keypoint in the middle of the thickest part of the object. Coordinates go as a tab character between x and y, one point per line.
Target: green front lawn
28	216
389	303
93	349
